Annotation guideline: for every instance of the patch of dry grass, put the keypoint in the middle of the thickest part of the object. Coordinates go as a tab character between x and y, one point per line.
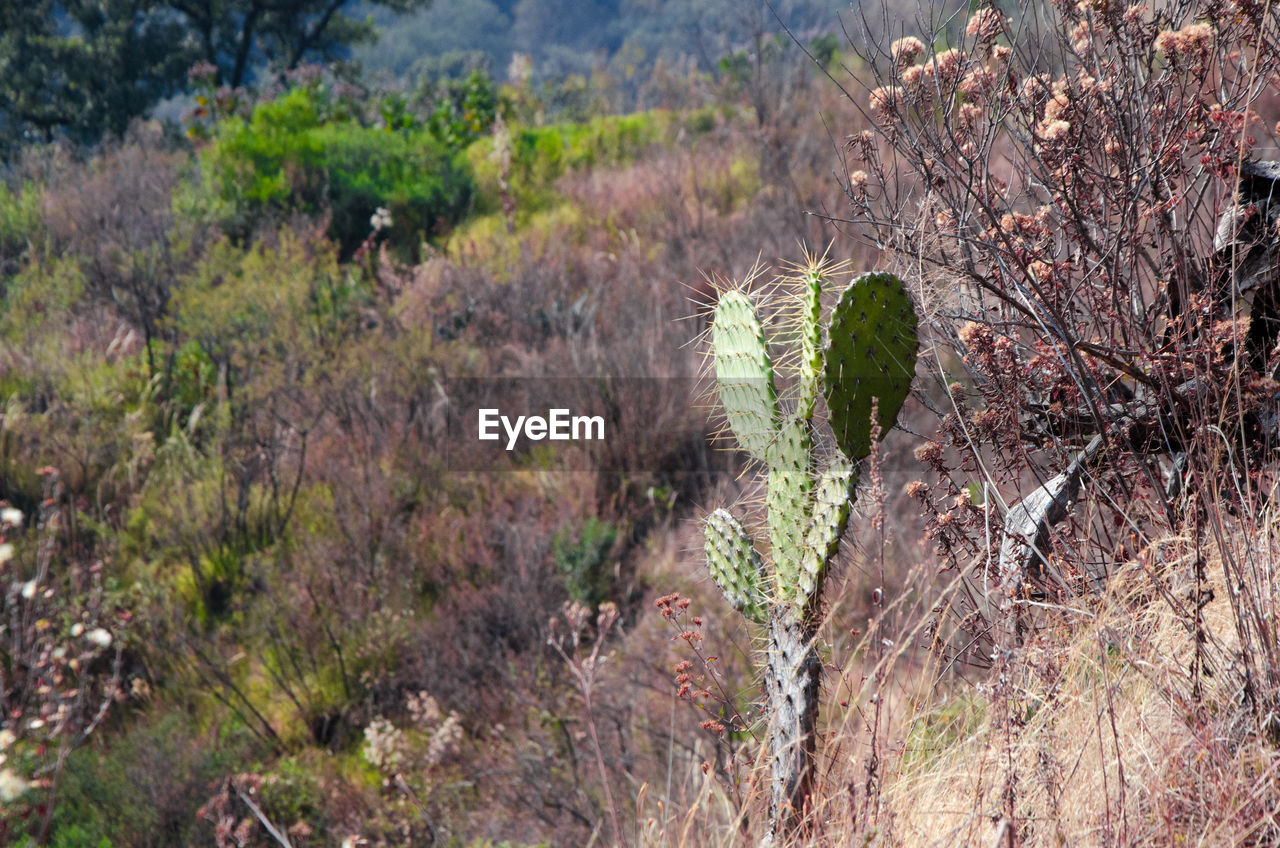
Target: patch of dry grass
1104	729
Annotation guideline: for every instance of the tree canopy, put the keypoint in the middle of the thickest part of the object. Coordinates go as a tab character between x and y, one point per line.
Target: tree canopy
82	68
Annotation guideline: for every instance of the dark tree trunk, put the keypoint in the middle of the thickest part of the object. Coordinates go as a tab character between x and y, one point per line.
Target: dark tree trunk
245	47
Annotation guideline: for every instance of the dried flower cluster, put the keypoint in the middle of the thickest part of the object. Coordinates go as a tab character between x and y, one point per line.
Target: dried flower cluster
393	750
1061	200
59	674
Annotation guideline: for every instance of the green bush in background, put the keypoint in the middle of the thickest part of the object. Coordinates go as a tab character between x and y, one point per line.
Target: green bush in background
541	155
20	221
294	156
583	562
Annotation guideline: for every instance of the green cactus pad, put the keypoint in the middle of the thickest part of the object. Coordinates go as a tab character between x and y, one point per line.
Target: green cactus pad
744	373
870	353
734	563
831	505
789	499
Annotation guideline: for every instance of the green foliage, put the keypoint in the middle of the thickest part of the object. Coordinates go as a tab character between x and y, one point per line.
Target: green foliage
166	540
412	176
192	384
248	161
256	325
825	49
72	836
541	155
394	112
146	789
256	311
76	837
83	67
21	218
582	560
289	158
293	793
41	292
464	110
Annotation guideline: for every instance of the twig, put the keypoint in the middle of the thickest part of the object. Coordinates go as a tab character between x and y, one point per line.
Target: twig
261	817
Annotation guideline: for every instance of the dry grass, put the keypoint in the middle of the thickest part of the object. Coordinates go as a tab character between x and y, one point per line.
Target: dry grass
1100	730
1105	743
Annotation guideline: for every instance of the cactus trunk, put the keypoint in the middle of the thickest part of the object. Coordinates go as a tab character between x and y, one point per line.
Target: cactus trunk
793	674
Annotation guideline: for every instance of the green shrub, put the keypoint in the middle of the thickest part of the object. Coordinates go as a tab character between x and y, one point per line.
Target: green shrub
192	384
582	560
146	788
20	221
42	292
542	155
290	157
77	837
293	792
257	311
412	175
464	109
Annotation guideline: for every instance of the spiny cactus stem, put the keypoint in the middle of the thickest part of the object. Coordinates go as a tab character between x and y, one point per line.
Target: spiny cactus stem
793	675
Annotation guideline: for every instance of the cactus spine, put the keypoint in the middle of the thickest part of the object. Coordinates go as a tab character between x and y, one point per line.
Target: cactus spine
868	350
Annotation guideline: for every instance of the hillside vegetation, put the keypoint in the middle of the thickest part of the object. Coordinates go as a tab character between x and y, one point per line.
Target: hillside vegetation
250	595
223	363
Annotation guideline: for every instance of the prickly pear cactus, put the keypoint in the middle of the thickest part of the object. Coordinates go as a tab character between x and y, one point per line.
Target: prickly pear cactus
863	359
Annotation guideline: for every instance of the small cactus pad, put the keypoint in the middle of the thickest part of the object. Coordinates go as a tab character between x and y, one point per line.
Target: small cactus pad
871	353
831	507
734	563
744	373
789	499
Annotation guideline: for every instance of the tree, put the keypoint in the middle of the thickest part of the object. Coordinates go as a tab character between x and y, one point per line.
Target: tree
86	67
237	35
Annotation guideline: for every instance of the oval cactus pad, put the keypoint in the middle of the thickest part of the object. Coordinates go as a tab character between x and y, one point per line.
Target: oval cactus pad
744	373
870	353
734	563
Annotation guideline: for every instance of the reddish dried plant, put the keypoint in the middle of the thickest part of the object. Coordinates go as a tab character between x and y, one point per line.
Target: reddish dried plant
1094	252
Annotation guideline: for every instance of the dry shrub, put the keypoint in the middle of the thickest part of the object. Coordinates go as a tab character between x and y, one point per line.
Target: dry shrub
1061	187
118	223
1061	177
